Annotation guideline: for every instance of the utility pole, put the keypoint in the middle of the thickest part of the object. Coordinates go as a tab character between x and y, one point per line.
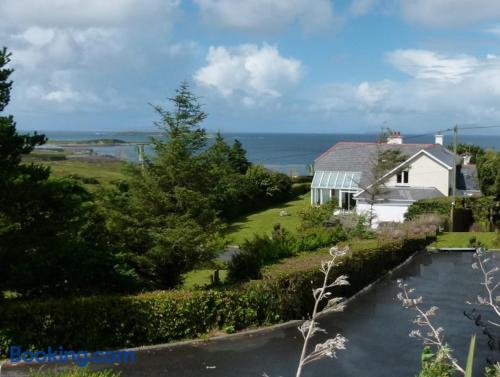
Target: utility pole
140	155
454	179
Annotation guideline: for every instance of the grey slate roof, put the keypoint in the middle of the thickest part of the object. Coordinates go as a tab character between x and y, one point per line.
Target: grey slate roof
467	178
359	157
404	194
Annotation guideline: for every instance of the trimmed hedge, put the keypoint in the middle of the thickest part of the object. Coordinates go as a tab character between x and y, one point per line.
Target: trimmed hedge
104	322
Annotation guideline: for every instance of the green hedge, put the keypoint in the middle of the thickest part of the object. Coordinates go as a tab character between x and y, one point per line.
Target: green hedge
105	322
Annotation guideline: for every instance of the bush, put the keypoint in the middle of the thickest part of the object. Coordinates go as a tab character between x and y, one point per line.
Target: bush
468	210
435	365
302	179
315	238
256	253
441	206
104	322
299	189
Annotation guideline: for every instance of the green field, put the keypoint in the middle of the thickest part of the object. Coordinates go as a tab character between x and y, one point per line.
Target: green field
104	171
459	239
201	278
262	222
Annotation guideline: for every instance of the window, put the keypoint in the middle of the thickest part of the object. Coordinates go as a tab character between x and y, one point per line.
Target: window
402	177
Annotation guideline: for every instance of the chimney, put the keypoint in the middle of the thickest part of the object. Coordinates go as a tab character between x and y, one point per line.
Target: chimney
394	137
439	139
467	157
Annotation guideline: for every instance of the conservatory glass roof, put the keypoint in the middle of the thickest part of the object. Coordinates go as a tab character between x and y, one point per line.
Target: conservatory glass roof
336	180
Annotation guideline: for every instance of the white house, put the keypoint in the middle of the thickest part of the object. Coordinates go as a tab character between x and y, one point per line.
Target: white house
343	172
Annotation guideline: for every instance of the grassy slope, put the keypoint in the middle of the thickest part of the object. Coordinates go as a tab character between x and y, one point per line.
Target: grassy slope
104	172
456	239
262	222
201	278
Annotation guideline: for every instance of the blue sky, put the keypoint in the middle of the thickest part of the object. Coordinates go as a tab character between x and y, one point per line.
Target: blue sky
258	65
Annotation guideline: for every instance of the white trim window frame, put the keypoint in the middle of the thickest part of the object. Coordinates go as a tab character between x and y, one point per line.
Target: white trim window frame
403	177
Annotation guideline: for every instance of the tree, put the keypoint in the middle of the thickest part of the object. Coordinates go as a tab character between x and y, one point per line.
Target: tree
165	219
474	150
51	235
238	157
488	165
381	162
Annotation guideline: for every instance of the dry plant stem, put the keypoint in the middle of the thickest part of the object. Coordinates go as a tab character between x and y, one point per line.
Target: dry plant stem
310	328
303	358
488	280
433	337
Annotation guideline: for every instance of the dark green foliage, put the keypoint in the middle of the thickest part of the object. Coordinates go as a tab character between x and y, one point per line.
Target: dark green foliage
299	189
317	216
5	83
52	238
164	219
255	253
302	179
238	158
103	322
389	159
468	210
262	250
439	206
265	187
488	166
474	150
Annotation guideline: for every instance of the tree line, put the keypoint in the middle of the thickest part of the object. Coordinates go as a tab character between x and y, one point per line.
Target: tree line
57	238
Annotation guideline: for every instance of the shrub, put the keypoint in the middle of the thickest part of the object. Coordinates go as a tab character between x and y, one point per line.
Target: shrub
315	238
257	252
104	322
302	179
440	206
435	365
299	189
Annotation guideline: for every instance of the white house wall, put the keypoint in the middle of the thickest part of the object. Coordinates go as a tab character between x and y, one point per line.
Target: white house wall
425	172
383	212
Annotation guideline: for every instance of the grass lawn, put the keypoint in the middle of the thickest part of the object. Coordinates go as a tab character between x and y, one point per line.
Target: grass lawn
105	172
201	278
262	222
461	239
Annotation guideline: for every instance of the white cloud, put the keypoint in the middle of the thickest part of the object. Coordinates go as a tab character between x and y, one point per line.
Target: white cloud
81	13
463	89
361	7
450	12
371	94
65	51
248	70
268	15
423	64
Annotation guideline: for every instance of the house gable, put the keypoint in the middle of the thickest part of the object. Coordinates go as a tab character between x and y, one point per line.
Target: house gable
424	170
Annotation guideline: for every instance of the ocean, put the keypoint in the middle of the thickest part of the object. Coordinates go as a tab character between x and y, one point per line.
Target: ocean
290	153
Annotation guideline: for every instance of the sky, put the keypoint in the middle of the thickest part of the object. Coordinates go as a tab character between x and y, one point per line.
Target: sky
319	66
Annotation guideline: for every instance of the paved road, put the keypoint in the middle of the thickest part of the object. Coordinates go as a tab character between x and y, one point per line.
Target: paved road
375	324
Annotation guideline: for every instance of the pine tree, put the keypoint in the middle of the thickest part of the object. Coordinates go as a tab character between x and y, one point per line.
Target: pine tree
51	238
238	157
